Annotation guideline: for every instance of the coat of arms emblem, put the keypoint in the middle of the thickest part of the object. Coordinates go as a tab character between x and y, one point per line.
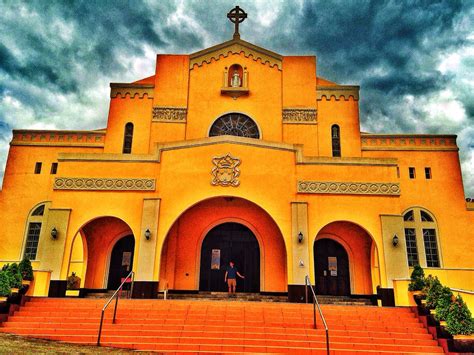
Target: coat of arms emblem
225	171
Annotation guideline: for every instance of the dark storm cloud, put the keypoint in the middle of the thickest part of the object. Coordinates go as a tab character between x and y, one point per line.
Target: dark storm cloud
57	57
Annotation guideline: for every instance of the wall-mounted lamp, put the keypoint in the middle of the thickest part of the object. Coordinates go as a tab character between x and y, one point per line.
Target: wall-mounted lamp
147	234
300	237
395	240
301	263
54	233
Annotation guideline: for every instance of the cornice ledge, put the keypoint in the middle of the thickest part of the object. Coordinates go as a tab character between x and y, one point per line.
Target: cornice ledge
235	46
347	161
124	89
338	91
193	143
108	157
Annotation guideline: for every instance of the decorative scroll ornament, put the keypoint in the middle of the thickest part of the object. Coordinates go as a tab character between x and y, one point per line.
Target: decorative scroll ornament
349	188
107	184
169	114
299	115
225	171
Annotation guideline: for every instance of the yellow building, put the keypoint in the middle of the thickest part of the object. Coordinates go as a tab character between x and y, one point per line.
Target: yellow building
236	153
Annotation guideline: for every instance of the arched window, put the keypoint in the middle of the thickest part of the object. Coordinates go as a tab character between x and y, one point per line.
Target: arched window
33	232
421	229
336	140
234	124
128	138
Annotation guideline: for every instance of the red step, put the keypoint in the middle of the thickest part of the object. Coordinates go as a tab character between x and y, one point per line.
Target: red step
203	326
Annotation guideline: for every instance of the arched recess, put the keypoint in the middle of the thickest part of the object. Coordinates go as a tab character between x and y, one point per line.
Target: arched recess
181	250
362	253
97	238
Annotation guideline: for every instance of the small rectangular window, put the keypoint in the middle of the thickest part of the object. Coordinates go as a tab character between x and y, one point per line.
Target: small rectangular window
398	172
412	250
411	172
431	247
428	173
38	168
54	168
32	240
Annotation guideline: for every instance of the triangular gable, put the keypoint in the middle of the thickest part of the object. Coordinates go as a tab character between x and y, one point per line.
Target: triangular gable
236	46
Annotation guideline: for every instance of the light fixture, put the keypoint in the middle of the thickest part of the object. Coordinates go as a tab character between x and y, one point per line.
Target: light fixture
300	237
54	233
395	240
147	234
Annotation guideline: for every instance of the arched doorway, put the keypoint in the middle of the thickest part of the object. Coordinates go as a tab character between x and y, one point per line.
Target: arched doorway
331	268
230	242
121	261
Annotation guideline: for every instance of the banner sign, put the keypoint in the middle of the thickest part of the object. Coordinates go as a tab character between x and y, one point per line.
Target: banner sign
216	259
332	265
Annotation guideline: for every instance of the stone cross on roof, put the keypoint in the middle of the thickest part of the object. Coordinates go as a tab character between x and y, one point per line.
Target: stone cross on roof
236	16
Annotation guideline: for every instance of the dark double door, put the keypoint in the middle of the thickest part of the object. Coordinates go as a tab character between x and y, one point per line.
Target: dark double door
331	265
230	242
121	261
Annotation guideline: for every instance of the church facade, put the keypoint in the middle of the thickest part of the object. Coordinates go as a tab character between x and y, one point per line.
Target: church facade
236	153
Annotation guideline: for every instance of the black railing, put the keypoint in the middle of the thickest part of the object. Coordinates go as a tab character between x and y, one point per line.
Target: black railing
316	304
128	279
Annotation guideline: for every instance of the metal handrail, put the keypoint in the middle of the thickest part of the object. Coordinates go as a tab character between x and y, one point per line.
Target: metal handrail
131	276
316	303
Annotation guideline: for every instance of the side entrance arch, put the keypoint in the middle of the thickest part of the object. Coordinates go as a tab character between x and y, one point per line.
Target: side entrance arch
230	242
331	268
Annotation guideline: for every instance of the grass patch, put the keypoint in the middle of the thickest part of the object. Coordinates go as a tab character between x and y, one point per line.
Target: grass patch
14	344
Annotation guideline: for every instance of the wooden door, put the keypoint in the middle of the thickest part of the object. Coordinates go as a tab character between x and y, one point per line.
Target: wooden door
230	241
121	261
331	265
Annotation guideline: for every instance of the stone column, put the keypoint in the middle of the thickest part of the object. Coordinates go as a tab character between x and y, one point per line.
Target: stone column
299	250
145	286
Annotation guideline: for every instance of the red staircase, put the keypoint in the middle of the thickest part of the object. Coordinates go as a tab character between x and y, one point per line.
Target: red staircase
207	326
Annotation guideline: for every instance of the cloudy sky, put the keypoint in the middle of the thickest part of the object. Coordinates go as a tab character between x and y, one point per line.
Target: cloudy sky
414	60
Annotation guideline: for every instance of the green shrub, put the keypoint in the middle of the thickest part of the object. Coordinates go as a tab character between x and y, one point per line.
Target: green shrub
459	319
15	276
5	289
417	279
73	282
26	269
445	299
432	290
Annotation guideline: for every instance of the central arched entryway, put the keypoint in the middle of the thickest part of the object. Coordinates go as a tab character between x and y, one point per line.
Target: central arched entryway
230	242
121	261
331	267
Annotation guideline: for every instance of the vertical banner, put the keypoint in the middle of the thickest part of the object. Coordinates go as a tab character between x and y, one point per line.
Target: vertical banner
332	265
127	259
216	259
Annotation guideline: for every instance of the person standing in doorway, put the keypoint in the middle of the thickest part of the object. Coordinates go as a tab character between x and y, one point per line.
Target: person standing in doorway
231	277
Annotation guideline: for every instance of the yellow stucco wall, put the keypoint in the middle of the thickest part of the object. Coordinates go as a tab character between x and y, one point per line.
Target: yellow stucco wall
177	154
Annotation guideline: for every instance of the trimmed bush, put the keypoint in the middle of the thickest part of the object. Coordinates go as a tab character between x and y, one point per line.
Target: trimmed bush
73	282
15	276
26	269
433	291
459	320
445	299
417	279
5	289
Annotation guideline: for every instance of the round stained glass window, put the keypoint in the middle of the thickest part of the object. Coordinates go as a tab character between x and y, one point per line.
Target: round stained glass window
234	124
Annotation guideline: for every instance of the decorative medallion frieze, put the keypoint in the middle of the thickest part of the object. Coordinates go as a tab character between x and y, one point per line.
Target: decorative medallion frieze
169	114
299	115
225	171
107	184
349	188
